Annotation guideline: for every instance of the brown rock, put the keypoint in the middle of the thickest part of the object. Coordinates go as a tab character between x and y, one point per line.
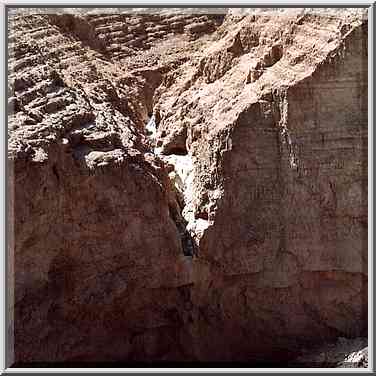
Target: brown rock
279	163
240	237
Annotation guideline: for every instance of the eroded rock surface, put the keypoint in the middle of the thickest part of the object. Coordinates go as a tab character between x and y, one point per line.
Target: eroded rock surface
344	353
231	228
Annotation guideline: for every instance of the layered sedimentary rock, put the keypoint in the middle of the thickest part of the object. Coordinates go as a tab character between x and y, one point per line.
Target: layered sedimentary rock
237	232
280	178
96	251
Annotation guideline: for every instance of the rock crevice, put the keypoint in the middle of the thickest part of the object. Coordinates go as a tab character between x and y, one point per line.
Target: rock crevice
188	187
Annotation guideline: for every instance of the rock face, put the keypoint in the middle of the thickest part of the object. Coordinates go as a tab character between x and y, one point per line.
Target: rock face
344	353
234	231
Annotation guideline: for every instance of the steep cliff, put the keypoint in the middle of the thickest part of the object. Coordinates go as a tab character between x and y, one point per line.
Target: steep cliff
232	227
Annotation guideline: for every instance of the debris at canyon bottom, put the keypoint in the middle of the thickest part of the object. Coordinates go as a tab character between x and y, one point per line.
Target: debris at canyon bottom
188	185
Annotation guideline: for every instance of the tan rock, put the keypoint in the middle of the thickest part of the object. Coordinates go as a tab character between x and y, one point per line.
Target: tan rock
234	230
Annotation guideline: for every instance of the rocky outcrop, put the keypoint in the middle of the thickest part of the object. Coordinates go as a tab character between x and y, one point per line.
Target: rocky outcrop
279	177
95	241
233	227
121	35
344	353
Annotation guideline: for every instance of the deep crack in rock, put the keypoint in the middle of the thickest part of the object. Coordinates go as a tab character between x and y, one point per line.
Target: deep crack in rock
237	139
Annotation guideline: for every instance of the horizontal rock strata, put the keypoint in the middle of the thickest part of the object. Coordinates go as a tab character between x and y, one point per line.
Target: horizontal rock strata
232	228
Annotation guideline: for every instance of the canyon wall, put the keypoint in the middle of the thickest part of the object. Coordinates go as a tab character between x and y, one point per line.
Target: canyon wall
235	231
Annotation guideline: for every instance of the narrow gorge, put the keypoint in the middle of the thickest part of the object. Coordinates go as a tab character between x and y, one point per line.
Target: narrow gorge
187	185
